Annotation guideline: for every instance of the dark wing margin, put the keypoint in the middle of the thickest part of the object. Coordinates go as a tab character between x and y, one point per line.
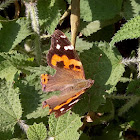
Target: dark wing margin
60	40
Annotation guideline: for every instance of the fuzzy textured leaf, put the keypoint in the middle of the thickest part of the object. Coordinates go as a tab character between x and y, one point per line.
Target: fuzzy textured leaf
131	8
130	30
37	132
49	12
10	107
65	126
14	31
17	59
132	102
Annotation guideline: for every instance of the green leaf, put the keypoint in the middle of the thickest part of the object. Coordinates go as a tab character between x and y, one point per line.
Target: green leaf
7	70
134	87
103	64
130	103
131	8
14	62
99	10
130	30
10	107
82	45
12	33
89	28
32	97
29	97
124	79
37	132
17	59
7	133
49	12
65	127
92	27
105	34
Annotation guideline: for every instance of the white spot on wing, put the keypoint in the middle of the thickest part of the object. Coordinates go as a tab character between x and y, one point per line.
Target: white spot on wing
62	109
74	102
71	47
58	46
68	47
63	36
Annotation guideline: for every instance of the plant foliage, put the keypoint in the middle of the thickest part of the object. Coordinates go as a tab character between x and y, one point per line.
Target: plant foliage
109	109
37	132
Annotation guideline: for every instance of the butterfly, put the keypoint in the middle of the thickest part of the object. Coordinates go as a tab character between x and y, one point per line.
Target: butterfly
69	78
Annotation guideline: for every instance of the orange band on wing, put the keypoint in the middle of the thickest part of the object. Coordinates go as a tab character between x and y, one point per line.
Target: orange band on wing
67	62
65	103
69	100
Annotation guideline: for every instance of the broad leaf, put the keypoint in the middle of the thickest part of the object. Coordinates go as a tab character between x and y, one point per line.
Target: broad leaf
65	126
10	107
99	10
12	33
102	64
37	132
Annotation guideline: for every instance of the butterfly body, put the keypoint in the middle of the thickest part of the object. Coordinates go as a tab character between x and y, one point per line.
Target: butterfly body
69	78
